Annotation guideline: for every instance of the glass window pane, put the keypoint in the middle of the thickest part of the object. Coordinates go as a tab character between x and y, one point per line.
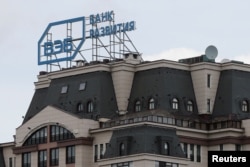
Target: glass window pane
64	89
82	86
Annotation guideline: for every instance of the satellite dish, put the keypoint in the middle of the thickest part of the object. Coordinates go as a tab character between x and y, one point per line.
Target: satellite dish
211	52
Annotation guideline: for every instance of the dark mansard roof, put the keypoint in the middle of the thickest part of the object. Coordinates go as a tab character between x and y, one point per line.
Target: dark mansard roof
98	89
233	88
163	84
144	139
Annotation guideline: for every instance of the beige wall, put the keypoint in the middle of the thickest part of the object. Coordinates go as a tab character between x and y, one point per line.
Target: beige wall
202	92
8	153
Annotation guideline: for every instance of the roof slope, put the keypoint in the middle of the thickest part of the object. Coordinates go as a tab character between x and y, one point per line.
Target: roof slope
163	84
99	89
233	88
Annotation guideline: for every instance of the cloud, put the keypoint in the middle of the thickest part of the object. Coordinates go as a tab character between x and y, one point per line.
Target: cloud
173	54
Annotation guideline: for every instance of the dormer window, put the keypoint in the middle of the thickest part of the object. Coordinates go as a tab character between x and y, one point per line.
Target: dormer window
122	149
79	107
244	106
82	86
166	148
64	89
175	104
190	107
138	106
151	104
90	107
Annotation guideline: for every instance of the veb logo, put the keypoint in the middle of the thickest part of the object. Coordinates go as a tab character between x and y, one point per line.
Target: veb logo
52	47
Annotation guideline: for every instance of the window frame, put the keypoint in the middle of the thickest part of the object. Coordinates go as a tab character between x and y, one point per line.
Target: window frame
190	106
80	107
26	159
208	80
208	105
70	154
42	158
54	156
175	104
82	86
122	149
90	106
244	106
40	136
137	106
166	148
59	133
151	103
64	89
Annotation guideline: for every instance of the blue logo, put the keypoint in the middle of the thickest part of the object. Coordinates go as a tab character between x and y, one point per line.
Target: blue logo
51	48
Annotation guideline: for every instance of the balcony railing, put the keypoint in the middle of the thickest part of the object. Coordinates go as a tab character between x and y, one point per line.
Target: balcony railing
175	122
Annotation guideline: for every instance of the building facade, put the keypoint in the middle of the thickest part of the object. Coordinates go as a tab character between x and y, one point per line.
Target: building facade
133	113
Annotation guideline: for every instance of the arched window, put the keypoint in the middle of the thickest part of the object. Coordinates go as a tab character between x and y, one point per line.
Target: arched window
38	137
151	104
90	107
244	106
122	149
190	107
79	107
138	106
175	104
58	133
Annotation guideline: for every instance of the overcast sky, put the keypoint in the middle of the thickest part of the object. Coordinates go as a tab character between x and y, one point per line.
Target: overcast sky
166	29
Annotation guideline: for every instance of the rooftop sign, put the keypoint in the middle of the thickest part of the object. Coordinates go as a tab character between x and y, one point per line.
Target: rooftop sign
63	40
55	50
110	29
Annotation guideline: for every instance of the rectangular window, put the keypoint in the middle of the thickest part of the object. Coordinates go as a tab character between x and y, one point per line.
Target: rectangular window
208	80
42	158
179	122
191	152
10	162
54	157
221	147
70	154
82	86
198	155
64	89
101	151
96	153
26	160
122	164
208	105
165	164
170	120
106	146
185	148
159	119
237	147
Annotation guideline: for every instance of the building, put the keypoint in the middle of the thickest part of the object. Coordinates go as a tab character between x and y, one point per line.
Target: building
133	113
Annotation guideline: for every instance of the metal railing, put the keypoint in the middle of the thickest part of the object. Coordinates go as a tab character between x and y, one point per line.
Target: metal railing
175	122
